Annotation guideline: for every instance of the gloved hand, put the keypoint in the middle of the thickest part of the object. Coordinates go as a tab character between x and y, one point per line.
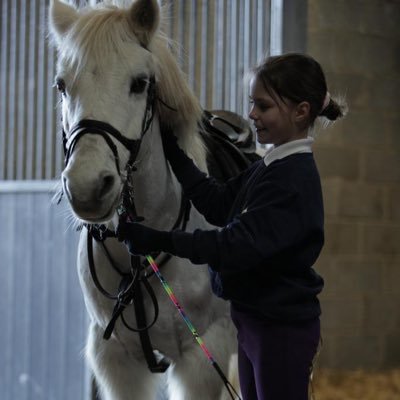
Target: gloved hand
171	148
141	240
198	246
183	166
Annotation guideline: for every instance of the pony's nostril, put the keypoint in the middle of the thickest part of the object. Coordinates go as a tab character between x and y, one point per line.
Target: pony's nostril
107	185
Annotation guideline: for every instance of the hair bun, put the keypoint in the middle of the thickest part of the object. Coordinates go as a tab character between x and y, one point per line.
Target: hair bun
335	108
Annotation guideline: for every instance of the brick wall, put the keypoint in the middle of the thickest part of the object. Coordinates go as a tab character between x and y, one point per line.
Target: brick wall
358	45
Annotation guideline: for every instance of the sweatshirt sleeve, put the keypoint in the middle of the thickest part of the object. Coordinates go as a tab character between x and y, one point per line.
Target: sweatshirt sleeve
269	226
212	199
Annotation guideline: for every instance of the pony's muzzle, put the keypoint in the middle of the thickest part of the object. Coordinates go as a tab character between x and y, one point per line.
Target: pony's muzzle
90	197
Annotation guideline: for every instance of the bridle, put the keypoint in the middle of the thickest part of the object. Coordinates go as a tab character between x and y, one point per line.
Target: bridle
130	290
91	126
107	131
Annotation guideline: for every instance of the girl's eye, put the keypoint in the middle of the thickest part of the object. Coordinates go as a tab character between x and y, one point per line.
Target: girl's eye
60	84
260	105
138	85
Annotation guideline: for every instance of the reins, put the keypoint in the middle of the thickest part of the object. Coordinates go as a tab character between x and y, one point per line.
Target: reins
231	390
129	281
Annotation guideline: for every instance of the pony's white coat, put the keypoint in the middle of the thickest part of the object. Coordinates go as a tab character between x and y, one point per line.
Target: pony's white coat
99	54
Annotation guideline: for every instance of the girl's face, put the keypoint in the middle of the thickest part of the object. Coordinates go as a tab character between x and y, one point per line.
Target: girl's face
273	119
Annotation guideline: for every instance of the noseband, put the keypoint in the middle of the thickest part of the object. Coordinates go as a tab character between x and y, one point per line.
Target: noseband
95	127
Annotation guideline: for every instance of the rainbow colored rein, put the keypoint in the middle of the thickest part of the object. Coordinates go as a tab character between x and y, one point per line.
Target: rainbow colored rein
192	329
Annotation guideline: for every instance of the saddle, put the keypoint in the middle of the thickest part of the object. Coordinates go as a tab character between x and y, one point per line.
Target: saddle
230	143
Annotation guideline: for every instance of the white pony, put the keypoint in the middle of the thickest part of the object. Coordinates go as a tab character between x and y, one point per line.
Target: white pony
107	57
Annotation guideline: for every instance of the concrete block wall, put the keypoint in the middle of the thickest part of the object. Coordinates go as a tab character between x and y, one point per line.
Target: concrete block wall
358	45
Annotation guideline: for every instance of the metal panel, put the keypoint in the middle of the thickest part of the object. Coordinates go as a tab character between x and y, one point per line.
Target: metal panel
28	149
42	313
220	41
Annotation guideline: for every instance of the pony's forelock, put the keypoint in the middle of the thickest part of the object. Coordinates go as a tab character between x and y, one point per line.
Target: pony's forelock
96	30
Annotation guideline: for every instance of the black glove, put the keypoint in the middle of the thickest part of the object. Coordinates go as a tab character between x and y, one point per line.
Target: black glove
200	246
142	240
175	155
183	166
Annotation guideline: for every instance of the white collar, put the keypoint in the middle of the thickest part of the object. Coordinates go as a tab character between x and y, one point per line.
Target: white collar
287	149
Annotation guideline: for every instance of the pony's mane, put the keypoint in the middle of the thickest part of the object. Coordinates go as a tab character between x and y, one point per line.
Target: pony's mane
105	27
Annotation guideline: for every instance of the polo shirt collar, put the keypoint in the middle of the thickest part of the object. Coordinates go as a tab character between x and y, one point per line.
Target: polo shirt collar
287	149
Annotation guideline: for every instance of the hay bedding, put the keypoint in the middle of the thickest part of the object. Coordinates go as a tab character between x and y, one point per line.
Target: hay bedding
356	385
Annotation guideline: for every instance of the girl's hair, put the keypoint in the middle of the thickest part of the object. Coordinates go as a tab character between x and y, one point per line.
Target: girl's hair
298	77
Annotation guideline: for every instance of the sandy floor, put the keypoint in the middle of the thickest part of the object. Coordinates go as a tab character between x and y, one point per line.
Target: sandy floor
356	385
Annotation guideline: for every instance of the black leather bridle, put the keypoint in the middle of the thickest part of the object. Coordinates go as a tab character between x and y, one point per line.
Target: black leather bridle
95	127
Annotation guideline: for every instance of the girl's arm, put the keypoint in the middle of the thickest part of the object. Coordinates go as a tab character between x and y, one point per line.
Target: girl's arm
211	198
272	225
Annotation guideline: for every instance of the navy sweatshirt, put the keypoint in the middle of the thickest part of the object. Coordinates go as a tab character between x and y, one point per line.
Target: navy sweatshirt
271	218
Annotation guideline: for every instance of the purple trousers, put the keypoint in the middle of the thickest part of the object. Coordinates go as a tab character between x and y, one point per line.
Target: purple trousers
275	358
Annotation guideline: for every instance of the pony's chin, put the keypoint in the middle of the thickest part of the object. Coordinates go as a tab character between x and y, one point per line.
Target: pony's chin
100	216
97	220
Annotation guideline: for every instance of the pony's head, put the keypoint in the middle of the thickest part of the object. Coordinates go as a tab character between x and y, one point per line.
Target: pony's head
108	59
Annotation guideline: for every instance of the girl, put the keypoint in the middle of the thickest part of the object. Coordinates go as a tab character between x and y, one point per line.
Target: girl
271	218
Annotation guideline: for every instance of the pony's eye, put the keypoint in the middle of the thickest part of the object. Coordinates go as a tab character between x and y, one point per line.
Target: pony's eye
60	84
138	85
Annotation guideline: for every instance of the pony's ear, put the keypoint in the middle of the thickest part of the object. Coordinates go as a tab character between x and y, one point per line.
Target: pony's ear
144	16
61	18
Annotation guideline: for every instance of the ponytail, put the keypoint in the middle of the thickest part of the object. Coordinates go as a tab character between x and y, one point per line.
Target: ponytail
336	108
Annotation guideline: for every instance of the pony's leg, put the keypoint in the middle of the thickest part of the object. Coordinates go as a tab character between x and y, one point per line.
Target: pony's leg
118	374
192	377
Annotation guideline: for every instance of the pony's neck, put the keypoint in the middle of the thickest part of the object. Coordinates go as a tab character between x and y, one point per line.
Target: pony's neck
156	190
